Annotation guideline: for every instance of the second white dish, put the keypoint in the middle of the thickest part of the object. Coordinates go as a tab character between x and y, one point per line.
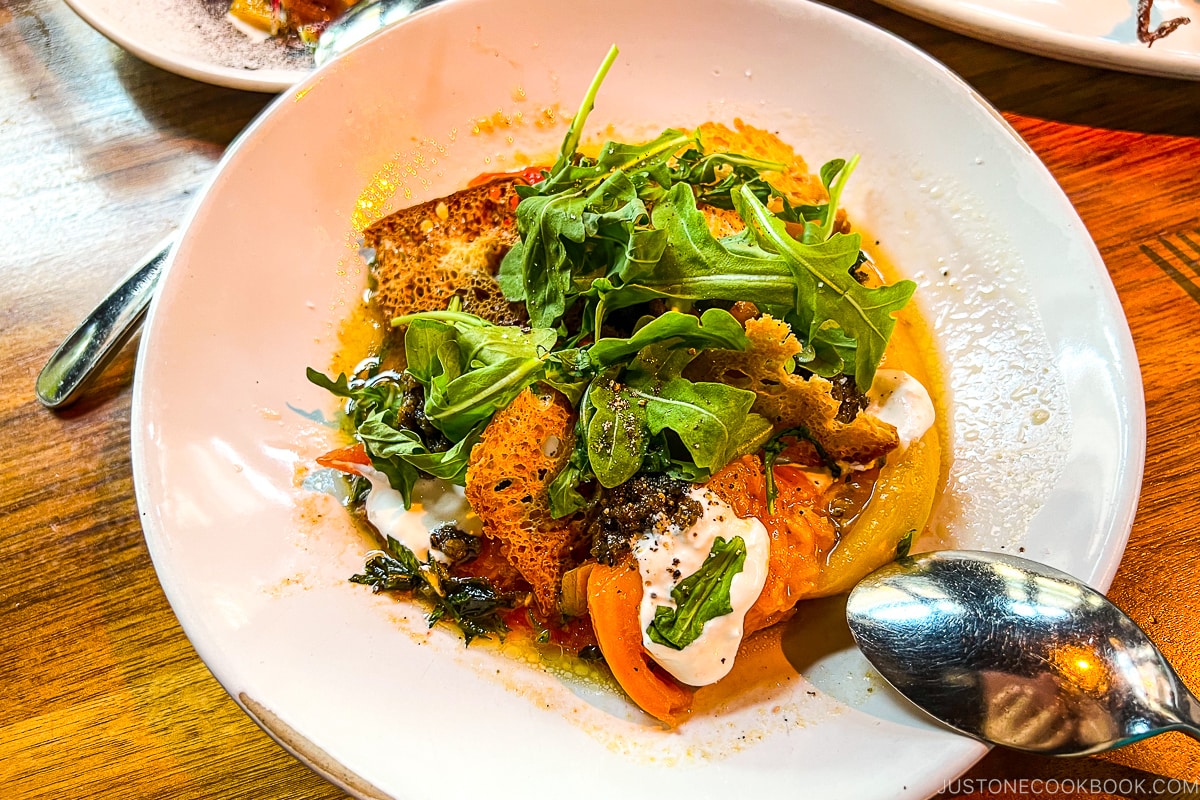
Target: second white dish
1099	33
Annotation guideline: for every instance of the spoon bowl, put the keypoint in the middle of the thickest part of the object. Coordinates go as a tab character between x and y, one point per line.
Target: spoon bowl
1016	653
360	21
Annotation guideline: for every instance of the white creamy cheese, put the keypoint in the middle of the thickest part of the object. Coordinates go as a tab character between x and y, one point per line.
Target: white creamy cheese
667	556
899	399
385	510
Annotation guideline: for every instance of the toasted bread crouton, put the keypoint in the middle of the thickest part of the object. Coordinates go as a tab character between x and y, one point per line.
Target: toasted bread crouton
789	400
800	185
522	449
796	182
431	252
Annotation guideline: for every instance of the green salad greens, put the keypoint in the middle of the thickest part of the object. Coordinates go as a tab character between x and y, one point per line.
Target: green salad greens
624	286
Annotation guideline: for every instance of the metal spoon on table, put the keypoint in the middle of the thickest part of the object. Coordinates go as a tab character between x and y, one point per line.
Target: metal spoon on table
1018	654
361	21
91	347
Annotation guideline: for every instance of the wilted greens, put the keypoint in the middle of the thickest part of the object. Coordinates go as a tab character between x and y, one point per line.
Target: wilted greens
472	604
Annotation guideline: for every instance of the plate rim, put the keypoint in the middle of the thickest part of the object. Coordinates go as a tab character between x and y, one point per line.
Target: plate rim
267	81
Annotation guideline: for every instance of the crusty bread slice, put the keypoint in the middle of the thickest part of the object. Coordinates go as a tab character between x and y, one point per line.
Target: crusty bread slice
428	253
523	448
790	400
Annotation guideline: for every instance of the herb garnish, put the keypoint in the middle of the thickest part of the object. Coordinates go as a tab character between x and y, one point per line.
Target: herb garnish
381	410
615	232
905	544
473	604
701	596
469	367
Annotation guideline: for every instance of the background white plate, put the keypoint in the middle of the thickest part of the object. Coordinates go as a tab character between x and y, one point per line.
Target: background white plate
1043	404
191	38
1099	33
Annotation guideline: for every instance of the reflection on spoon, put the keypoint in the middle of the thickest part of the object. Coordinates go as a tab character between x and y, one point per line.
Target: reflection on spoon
1015	653
361	21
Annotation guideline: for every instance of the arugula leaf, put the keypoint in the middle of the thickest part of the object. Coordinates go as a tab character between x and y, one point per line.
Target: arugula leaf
712	420
586	217
834	175
563	491
511	274
647	166
401	446
469	367
829	352
546	223
716	175
339	386
575	131
696	266
480	342
700	597
474	605
422	341
380	438
662	456
491	344
826	291
457	406
627	406
366	396
616	431
715	328
818	219
382	410
568	239
559	376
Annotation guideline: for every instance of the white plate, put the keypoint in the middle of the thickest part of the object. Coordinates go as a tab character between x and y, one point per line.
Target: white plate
1099	33
192	38
1043	400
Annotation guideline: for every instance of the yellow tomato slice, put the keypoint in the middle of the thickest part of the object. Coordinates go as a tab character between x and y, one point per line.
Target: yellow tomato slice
901	502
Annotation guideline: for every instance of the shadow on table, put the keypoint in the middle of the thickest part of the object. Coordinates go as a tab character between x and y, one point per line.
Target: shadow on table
58	61
186	107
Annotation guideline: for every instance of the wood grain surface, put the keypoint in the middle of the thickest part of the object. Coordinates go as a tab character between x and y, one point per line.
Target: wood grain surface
101	695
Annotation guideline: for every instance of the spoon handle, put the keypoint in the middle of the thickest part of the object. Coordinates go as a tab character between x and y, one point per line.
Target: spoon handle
1189	712
92	346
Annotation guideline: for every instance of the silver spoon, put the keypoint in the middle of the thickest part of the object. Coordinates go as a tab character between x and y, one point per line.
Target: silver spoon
1015	653
361	21
91	347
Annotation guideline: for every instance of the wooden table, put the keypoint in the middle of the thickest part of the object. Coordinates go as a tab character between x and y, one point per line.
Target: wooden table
101	694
